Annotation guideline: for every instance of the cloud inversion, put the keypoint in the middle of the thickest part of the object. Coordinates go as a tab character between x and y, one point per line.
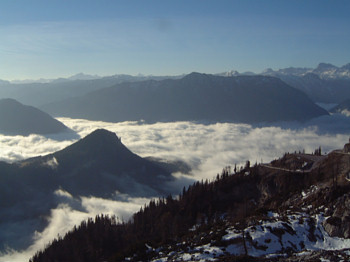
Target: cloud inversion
206	147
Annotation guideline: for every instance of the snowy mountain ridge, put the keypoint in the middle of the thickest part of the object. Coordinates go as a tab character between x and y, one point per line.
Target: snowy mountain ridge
323	70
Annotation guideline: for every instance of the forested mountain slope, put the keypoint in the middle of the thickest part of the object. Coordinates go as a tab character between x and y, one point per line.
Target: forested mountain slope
294	207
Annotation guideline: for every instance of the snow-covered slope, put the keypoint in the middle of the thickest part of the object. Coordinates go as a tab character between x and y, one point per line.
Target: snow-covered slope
274	238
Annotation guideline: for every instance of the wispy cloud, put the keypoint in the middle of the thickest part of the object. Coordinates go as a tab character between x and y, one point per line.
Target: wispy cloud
71	212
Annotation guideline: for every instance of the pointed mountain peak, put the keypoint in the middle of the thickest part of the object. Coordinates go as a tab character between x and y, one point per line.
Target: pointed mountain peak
102	133
194	75
100	144
82	76
98	139
197	78
10	102
229	73
346	67
325	66
267	71
102	136
100	163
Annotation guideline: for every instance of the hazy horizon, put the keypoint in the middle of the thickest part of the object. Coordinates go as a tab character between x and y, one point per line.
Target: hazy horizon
82	75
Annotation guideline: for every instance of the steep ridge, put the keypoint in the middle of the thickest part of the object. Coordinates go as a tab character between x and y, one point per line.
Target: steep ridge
195	97
294	209
18	119
98	165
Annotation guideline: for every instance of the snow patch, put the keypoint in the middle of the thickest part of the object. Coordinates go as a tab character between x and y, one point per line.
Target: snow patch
297	233
345	112
53	163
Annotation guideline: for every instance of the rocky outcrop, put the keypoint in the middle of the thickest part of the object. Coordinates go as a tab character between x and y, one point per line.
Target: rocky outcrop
338	224
346	148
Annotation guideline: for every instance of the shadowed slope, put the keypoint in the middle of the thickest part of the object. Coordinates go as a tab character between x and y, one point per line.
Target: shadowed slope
196	97
18	119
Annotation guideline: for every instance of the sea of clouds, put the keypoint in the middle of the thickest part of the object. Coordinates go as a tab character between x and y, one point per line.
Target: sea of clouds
207	148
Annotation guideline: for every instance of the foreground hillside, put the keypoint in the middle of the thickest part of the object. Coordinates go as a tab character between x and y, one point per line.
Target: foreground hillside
294	209
245	99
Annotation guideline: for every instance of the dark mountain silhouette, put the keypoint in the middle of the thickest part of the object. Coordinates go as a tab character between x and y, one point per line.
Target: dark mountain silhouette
247	99
39	93
18	119
98	165
267	212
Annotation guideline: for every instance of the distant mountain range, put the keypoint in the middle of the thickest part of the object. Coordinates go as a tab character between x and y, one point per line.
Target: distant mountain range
323	71
37	93
18	119
195	97
79	76
98	165
326	83
82	76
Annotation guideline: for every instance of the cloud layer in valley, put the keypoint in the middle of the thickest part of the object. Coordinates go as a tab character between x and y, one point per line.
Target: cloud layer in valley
70	212
206	147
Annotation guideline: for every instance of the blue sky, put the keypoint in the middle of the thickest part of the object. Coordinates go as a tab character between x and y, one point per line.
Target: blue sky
60	38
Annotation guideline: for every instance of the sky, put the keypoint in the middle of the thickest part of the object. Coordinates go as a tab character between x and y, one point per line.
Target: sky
59	38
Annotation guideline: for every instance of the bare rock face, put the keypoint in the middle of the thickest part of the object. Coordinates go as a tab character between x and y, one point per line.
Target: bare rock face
332	225
338	225
346	148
